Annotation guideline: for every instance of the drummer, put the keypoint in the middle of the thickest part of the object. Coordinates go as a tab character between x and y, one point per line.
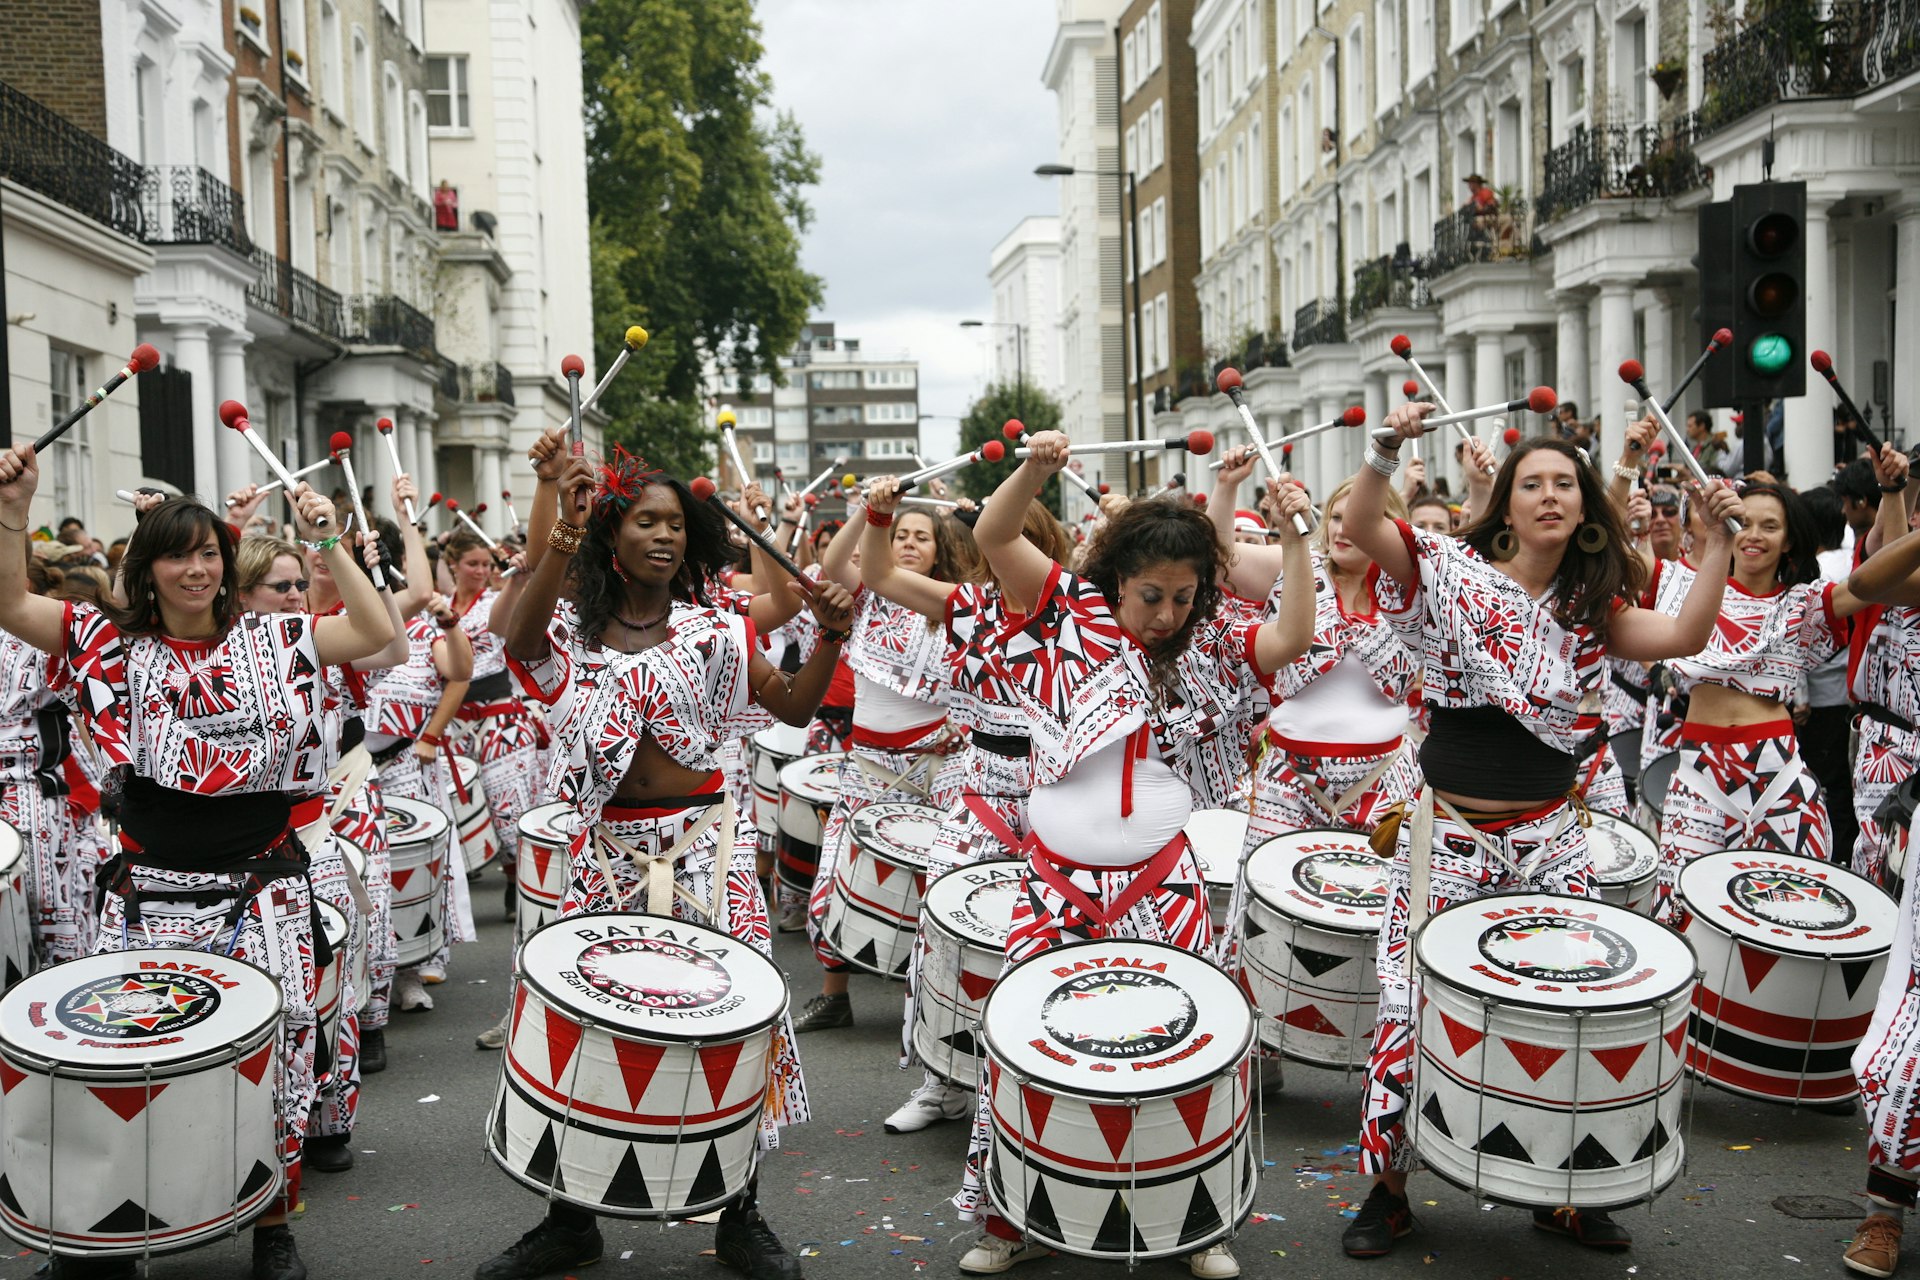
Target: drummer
213	721
1511	621
1121	669
645	680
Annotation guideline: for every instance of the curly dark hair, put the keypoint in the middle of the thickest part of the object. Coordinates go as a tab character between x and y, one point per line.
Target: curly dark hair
1588	583
1146	534
596	586
178	524
1800	559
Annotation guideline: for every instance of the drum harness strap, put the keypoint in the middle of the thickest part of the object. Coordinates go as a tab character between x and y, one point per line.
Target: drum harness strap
1760	808
1351	796
349	776
1420	847
1016	846
1148	876
285	859
657	868
918	776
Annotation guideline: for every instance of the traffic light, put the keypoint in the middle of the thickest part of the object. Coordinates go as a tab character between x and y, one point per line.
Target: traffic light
1769	323
1714	262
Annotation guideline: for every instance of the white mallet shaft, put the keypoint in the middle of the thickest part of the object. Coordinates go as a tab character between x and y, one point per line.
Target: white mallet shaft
125	496
238	422
937	504
733	451
513	517
1404	350
307	470
938	469
1634	376
1071	476
824	476
636	338
385	427
1109	446
346	468
1300	525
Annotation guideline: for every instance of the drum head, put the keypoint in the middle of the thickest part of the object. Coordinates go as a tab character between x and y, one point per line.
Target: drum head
414	822
1798	906
1622	852
654	978
788	741
11	847
815	779
1217	836
1549	951
975	903
1656	778
334	923
550	824
1328	878
1117	1018
124	1011
900	832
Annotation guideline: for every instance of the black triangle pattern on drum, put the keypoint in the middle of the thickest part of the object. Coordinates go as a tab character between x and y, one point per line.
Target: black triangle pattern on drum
1852	972
1499	1141
1042	1219
1590	1154
710	1184
258	1178
129	1219
544	1164
1656	1138
628	1188
426	927
1250	927
500	1126
7	1198
1203	1216
867	955
962	1042
1434	1116
1317	962
1117	1233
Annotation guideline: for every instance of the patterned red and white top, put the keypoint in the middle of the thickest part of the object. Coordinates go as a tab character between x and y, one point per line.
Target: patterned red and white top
1483	641
242	714
1888	671
489	650
893	646
1337	634
979	698
1664	594
400	700
25	692
1763	645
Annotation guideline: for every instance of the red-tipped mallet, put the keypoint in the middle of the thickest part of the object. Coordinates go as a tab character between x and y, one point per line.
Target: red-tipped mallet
1229	382
341	447
1174	485
1720	341
385	427
823	477
704	490
1410	389
1352	416
727	421
478	532
573	368
433	501
1635	376
1823	365
1016	433
513	517
1403	347
234	414
1195	442
143	360
297	473
991	451
1538	400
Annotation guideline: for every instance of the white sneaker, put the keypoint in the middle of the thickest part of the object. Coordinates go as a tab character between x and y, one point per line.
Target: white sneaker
793	916
1216	1263
929	1105
991	1255
408	993
433	974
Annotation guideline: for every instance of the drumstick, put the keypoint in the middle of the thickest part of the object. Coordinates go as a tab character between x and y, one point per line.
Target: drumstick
1402	346
234	414
1016	432
385	427
143	360
342	444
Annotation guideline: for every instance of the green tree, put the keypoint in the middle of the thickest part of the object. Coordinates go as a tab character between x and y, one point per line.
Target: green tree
697	191
987	418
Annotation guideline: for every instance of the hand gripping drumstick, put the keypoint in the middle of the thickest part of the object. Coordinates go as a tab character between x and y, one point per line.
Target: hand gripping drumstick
234	414
342	446
1196	442
1539	400
478	532
573	368
1016	432
385	427
298	472
705	491
1722	339
991	451
1229	382
1354	416
1823	365
143	360
1403	347
728	421
1635	376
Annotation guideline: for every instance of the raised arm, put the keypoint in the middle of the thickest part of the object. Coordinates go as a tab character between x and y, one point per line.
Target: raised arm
773	606
1889	529
836	562
883	577
1022	568
1633	456
37	620
418	569
1642	635
366	627
794	698
526	630
1366	520
1289	632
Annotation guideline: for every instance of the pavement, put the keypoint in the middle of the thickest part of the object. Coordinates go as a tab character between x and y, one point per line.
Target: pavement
425	1201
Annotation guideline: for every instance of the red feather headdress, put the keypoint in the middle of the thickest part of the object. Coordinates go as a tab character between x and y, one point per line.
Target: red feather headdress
622	478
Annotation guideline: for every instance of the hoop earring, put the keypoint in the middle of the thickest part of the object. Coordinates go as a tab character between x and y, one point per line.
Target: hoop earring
614	557
1506	545
1591	537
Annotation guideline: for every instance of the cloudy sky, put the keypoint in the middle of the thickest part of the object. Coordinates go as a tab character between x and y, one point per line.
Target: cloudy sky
928	117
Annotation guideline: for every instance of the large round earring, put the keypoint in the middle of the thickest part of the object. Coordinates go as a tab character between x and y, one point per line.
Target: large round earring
614	556
1591	537
1506	544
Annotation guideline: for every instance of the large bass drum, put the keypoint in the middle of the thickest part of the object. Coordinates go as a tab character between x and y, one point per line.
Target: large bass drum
963	940
874	910
546	834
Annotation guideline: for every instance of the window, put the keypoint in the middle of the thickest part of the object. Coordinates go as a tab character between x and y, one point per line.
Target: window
391	8
1130	149
1160	331
362	89
72	463
1221	95
396	131
1222	202
756	416
762	453
417	145
1507	145
1130	64
1256	189
1206	102
293	36
1206	216
1466	21
890	378
1286	152
836	415
1419	39
1573	86
333	91
1354	82
1386	54
449	109
1239	181
1631	83
791	455
1153	37
414	22
894	411
1330	76
834	380
144	81
1160	230
1156	136
1237	48
1420	212
1256	52
892	447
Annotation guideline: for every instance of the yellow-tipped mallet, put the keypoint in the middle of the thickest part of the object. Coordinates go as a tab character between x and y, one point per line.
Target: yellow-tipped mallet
636	338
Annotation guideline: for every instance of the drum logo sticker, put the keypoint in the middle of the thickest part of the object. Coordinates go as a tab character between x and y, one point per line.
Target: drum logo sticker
652	973
1557	949
989	908
1344	879
134	1006
1791	899
1118	1013
1612	855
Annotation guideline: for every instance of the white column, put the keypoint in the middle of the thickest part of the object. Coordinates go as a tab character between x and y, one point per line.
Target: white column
1374	399
1458	389
1906	317
1809	447
235	461
1662	375
495	519
191	353
1489	371
428	477
1571	362
403	439
1616	342
1329	461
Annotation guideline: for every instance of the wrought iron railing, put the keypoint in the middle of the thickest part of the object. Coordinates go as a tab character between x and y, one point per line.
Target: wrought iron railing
293	295
388	322
1893	43
1473	234
1318	322
42	150
1390	280
1262	352
185	204
1793	51
1647	161
488	383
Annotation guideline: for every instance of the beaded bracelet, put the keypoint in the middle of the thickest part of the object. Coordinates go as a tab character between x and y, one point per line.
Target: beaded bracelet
327	544
879	519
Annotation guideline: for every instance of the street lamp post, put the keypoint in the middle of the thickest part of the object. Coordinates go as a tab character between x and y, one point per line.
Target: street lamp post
1019	358
1139	460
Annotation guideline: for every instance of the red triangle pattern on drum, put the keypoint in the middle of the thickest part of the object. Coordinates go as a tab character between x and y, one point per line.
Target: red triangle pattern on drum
718	1061
1193	1109
1535	1059
637	1063
1116	1124
1677	1037
1309	1018
1756	965
127	1101
1619	1061
519	1004
255	1068
563	1037
542	855
1461	1036
976	985
400	876
1037	1106
883	870
9	1076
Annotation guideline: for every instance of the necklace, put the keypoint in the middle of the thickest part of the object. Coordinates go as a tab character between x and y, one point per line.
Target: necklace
642	626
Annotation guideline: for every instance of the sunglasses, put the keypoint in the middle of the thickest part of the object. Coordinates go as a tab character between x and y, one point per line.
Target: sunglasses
1667	508
287	584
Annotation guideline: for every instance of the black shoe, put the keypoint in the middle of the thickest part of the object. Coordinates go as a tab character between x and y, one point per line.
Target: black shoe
1591	1227
548	1247
274	1257
512	898
825	1013
328	1154
746	1243
373	1051
1383	1218
78	1268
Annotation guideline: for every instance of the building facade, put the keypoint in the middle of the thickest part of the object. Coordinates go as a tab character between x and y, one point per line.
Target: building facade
1023	271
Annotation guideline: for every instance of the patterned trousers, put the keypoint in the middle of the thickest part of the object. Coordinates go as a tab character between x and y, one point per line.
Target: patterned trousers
1887	1061
337	1065
364	821
1603	787
59	871
1887	758
507	748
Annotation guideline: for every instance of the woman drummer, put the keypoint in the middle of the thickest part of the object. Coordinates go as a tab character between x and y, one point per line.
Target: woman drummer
213	721
644	681
1121	670
1510	621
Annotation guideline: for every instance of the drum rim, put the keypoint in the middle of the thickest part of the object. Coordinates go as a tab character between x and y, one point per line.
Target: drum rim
1253	894
535	812
149	1067
406	804
986	1042
19	847
931	921
1775	948
1421	967
1652	872
839	757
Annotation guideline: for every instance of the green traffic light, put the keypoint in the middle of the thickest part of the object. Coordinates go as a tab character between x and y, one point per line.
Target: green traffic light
1769	354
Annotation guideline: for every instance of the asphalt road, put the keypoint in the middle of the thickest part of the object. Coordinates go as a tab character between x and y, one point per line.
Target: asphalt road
424	1200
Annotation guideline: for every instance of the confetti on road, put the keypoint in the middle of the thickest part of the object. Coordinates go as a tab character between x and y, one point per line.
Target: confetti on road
432	1097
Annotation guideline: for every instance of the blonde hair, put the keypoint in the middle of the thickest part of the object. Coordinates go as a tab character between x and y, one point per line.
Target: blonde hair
1323	540
254	559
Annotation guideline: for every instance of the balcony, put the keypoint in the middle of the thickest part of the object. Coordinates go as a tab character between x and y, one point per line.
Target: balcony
1893	43
1390	280
184	204
1792	52
388	322
286	291
477	383
1504	234
1622	162
42	151
1318	322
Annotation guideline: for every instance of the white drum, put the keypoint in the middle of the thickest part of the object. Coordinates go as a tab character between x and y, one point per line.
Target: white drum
471	815
1120	1110
1217	836
16	910
1548	1058
326	1000
808	789
1791	954
419	836
637	1065
546	833
1315	903
1654	781
1626	863
963	946
874	912
121	1072
773	750
357	863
